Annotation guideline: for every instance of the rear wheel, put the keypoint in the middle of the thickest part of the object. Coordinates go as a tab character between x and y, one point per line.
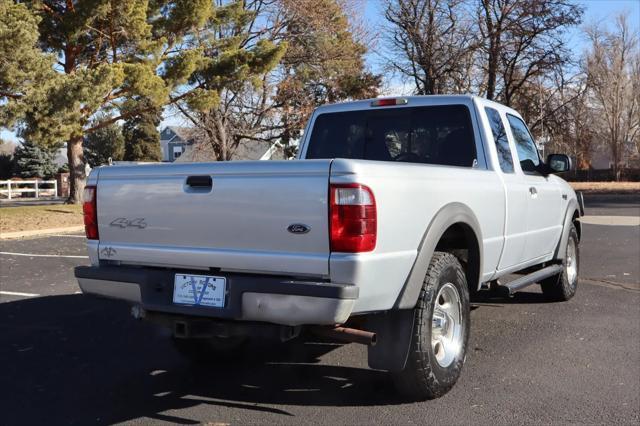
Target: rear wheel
441	331
563	286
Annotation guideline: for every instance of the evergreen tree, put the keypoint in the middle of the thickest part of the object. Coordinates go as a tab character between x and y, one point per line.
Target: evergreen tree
33	161
104	143
23	66
112	53
324	62
141	137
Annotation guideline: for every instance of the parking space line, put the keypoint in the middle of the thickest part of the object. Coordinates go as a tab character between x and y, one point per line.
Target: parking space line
42	255
17	293
66	235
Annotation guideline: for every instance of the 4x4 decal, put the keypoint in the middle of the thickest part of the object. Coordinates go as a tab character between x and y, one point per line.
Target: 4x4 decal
123	222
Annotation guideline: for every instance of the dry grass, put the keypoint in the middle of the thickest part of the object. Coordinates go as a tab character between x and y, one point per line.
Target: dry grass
613	187
28	218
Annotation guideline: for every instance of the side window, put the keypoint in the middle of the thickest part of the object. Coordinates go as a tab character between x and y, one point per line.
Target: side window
500	139
525	146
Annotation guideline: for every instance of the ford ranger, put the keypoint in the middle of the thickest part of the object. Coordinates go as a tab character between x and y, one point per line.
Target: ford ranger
395	214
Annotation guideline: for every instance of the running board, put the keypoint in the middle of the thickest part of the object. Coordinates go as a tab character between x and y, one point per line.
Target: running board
532	278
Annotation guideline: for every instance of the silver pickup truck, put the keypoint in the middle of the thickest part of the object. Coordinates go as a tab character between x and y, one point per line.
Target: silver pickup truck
397	213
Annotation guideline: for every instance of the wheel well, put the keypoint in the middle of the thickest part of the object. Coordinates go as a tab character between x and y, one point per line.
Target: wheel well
577	224
461	241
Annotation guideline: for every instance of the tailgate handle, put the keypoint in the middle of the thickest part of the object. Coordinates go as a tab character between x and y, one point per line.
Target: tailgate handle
200	181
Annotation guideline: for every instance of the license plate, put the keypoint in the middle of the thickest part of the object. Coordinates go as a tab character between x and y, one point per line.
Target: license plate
199	290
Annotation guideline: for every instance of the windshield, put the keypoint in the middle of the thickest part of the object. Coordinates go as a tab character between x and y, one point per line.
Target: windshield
430	135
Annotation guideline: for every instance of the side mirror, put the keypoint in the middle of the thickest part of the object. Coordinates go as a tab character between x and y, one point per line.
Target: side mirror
558	163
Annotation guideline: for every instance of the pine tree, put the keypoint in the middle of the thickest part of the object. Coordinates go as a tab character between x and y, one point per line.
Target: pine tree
141	137
23	66
104	144
110	55
324	62
33	161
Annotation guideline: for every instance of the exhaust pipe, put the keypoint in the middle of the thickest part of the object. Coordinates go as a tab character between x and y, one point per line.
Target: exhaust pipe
346	334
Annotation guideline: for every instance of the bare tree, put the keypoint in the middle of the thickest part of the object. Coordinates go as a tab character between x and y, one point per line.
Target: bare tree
432	44
612	67
244	115
523	42
567	118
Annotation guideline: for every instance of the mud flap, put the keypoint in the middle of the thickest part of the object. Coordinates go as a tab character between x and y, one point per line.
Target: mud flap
394	330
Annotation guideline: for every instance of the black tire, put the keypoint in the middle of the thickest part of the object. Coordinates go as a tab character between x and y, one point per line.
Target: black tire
202	351
562	287
423	376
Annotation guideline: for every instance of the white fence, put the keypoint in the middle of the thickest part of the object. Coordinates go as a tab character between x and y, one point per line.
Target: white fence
10	188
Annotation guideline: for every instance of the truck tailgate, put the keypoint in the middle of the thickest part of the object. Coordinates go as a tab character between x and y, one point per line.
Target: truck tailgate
168	215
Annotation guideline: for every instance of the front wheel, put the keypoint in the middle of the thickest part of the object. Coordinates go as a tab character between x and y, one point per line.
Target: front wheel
439	343
563	286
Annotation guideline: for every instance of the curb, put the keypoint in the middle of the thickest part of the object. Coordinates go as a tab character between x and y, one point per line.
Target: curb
40	232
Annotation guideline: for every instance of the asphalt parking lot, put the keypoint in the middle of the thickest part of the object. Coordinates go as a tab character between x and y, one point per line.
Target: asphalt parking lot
70	359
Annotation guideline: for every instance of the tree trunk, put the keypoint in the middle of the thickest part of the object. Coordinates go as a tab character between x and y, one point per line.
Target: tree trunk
493	37
492	70
77	175
615	153
223	137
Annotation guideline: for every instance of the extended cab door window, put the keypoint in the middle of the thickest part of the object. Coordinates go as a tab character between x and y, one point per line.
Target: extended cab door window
500	139
525	146
441	134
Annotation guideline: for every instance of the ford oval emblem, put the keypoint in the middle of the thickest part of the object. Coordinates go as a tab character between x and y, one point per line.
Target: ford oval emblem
298	228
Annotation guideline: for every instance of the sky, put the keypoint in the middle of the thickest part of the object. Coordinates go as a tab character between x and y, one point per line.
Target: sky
595	11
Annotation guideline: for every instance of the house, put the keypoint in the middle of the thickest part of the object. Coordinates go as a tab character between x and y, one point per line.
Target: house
247	150
179	144
174	141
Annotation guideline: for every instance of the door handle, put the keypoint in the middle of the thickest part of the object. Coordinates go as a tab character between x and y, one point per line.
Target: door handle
199	181
533	191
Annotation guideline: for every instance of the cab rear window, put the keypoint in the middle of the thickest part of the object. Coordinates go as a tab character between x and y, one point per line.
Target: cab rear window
429	135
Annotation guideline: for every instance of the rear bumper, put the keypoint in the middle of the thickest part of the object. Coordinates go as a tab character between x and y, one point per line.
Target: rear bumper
277	300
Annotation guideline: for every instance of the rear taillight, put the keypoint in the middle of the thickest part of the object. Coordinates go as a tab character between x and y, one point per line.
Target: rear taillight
352	218
90	211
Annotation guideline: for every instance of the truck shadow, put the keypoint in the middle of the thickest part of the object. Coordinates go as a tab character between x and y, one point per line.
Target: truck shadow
78	360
